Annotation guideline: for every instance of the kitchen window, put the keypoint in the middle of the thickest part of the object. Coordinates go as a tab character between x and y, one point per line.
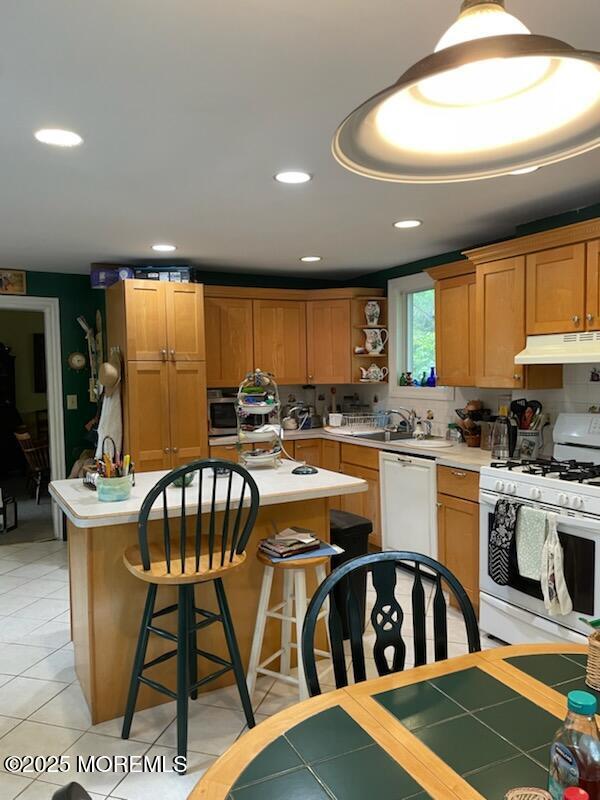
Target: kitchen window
412	336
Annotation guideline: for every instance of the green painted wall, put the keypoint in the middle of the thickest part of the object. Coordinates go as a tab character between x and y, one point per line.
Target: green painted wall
75	297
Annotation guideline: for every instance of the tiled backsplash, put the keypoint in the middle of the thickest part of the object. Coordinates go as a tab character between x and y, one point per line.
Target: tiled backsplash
577	395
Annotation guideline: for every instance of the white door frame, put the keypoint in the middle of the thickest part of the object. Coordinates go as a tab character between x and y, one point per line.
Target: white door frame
49	306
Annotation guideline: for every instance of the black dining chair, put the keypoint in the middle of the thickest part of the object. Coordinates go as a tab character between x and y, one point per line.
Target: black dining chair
72	791
200	549
386	618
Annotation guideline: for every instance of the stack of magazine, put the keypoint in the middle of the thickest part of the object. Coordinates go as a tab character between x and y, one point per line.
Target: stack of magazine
290	542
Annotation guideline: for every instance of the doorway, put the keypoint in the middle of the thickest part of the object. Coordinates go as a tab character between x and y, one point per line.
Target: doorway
31	362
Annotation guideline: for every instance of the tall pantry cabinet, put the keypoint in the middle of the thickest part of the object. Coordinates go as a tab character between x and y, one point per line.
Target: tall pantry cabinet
159	328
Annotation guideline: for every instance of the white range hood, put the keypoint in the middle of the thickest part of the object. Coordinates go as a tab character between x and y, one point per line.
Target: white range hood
561	348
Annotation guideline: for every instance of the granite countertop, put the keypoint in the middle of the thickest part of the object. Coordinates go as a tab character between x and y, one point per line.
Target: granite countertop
276	486
458	455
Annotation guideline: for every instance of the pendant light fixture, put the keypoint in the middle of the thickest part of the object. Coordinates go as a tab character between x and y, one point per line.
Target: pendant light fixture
491	99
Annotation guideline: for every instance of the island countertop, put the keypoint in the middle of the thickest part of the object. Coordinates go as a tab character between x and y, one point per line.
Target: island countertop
276	486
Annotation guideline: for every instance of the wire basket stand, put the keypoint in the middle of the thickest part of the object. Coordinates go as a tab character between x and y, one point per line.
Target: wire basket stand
258	394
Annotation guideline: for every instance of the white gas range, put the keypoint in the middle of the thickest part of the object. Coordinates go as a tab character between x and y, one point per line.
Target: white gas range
568	485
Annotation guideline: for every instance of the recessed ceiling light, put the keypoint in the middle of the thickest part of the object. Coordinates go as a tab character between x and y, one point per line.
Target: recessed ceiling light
164	248
309	259
408	223
524	171
293	176
58	137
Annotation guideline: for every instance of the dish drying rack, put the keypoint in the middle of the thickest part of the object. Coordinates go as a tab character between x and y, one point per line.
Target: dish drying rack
263	388
363	422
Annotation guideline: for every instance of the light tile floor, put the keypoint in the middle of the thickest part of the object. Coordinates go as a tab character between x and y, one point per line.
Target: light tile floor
42	710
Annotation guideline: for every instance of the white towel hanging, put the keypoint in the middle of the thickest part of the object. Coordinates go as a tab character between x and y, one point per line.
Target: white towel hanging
557	599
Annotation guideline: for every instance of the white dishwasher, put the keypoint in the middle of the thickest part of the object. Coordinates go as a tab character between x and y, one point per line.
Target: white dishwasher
408	503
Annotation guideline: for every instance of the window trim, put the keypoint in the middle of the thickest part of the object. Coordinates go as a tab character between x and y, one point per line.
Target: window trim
398	288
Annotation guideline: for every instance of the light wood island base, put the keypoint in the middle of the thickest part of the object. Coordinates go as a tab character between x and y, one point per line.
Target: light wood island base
107	603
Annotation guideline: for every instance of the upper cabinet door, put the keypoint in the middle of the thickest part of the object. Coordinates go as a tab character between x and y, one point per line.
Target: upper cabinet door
500	322
146	320
455	330
185	321
556	290
280	339
188	414
229	351
592	305
328	341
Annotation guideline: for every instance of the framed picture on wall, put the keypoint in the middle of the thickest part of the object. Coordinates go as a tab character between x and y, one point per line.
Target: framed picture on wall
12	281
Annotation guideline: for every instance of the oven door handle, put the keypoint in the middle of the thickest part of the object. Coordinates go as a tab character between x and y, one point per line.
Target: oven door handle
581	521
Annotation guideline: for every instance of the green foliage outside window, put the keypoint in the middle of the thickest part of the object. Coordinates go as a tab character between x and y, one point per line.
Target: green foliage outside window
421	332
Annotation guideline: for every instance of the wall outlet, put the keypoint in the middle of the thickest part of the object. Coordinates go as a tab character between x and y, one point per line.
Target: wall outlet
71	402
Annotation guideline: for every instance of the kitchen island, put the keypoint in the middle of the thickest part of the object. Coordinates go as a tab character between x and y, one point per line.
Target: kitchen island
107	600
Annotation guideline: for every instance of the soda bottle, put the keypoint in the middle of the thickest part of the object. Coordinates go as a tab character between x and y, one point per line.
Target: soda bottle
575	752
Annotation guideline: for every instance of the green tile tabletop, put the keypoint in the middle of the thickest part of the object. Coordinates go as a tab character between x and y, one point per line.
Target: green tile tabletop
468	728
550	668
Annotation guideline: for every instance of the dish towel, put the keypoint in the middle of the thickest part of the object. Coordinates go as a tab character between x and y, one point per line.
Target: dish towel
557	599
501	540
530	536
111	423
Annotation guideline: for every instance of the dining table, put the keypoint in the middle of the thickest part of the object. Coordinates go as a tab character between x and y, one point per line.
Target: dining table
469	727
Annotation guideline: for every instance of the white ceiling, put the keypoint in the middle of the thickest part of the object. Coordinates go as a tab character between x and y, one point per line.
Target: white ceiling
188	107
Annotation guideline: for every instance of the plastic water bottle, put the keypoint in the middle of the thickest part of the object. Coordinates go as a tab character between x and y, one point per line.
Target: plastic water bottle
575	752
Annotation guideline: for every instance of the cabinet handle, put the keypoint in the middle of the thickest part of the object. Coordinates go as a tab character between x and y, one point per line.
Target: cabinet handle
173	354
439	505
310	377
516	377
163	354
167	449
175	450
589	317
575	318
459	474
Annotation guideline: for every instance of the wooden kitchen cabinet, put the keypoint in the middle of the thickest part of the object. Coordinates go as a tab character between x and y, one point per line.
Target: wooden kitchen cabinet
229	340
366	504
592	304
330	455
185	321
280	339
328	341
148	437
455	324
167	413
187	412
159	329
156	320
458	542
556	283
144	316
500	322
308	450
500	330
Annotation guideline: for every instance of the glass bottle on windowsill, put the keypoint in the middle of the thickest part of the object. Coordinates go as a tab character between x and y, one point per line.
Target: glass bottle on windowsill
432	379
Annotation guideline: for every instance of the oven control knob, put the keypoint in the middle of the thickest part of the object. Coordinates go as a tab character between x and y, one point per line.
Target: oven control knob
499	486
578	502
511	488
535	493
563	500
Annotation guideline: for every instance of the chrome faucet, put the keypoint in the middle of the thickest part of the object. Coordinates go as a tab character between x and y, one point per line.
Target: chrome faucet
409	416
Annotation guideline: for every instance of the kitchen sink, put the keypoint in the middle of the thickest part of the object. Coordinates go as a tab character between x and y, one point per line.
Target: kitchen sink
398	436
384	436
